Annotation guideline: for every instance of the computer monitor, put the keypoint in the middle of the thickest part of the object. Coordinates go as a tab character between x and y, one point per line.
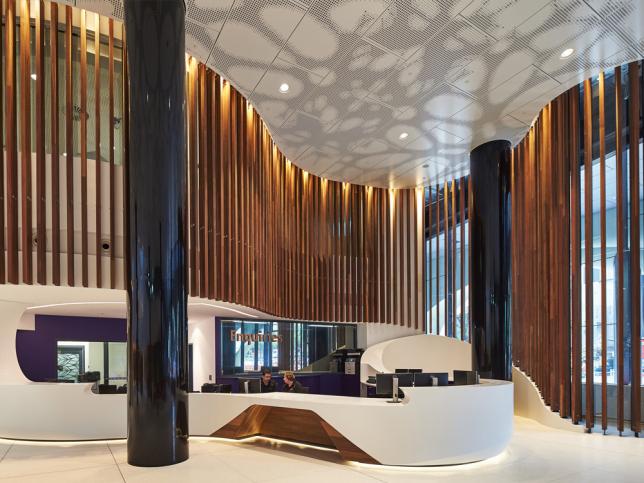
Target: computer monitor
422	379
402	371
464	378
441	376
254	386
405	379
384	384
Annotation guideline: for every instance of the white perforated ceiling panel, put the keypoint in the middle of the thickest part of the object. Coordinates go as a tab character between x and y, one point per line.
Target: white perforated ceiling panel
451	74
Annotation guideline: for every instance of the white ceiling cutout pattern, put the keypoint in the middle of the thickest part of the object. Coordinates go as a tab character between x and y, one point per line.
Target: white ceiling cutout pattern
452	74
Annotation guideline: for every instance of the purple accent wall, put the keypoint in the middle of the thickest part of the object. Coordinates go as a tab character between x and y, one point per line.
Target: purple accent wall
36	349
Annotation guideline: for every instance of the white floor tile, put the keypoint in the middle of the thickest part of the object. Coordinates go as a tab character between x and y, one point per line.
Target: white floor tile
96	474
24	459
536	454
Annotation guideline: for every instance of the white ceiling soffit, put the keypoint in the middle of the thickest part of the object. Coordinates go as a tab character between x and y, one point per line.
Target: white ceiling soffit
452	74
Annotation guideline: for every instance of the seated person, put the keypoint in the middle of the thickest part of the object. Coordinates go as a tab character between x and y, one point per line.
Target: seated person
267	383
290	384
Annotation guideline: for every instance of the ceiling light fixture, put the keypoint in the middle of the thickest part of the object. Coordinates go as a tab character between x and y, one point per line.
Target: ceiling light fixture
284	88
34	76
403	135
567	53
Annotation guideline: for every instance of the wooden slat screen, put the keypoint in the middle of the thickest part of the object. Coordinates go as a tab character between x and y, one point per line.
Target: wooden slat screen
555	256
262	232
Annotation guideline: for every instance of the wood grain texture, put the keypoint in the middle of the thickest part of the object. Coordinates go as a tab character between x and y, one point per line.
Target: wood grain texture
262	232
41	200
69	145
602	235
588	239
83	149
98	227
111	148
55	151
635	270
25	144
547	310
620	174
299	425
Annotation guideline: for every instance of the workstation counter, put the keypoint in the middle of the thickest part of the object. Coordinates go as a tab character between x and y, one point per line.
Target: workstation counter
430	426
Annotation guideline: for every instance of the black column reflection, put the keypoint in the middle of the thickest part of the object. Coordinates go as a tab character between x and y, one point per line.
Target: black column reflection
490	171
157	319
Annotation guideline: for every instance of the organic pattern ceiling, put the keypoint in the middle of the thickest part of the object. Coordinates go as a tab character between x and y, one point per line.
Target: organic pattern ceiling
452	74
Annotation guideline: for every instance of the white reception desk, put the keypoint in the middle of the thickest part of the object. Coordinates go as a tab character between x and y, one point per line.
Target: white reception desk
431	426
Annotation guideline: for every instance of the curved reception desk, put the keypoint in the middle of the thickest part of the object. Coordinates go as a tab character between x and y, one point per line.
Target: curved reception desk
442	425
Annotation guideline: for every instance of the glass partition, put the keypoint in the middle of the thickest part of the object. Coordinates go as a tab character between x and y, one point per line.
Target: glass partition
247	346
75	359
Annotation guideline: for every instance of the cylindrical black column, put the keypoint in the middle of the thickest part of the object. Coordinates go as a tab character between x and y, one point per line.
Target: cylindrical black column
157	319
490	170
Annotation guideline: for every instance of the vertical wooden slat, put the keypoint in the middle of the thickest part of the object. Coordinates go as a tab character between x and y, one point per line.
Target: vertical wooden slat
453	268
69	144
588	222
83	145
97	145
55	151
11	143
575	203
447	248
602	223
110	78
126	157
212	173
461	193
202	174
192	174
438	264
429	254
469	258
621	230
25	140
634	165
41	206
2	164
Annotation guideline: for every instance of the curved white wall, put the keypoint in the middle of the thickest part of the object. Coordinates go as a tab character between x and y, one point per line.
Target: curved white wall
529	404
431	353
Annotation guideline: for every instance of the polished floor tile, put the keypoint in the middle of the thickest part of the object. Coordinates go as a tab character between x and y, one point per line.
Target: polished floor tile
536	454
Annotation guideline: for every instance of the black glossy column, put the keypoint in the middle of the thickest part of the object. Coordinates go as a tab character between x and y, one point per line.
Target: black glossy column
157	297
490	170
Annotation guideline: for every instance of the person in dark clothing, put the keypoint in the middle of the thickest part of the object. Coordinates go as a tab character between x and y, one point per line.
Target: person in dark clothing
267	383
290	384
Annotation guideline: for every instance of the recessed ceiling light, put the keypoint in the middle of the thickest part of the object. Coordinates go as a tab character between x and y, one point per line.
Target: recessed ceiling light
567	53
34	76
284	88
403	135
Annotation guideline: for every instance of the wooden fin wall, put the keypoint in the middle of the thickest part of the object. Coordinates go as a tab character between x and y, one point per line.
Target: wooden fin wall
559	249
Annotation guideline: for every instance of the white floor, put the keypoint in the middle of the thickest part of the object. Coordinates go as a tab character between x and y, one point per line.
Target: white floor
537	453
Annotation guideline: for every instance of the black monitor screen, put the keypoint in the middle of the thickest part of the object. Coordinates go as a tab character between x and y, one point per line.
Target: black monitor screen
415	371
384	384
401	371
422	379
254	385
405	379
441	376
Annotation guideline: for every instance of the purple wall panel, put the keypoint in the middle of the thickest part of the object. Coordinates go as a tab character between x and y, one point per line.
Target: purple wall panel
36	349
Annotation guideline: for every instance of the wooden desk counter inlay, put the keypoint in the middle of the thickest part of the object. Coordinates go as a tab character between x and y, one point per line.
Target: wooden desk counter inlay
300	425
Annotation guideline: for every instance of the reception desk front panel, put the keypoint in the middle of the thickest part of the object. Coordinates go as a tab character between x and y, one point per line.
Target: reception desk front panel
431	426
